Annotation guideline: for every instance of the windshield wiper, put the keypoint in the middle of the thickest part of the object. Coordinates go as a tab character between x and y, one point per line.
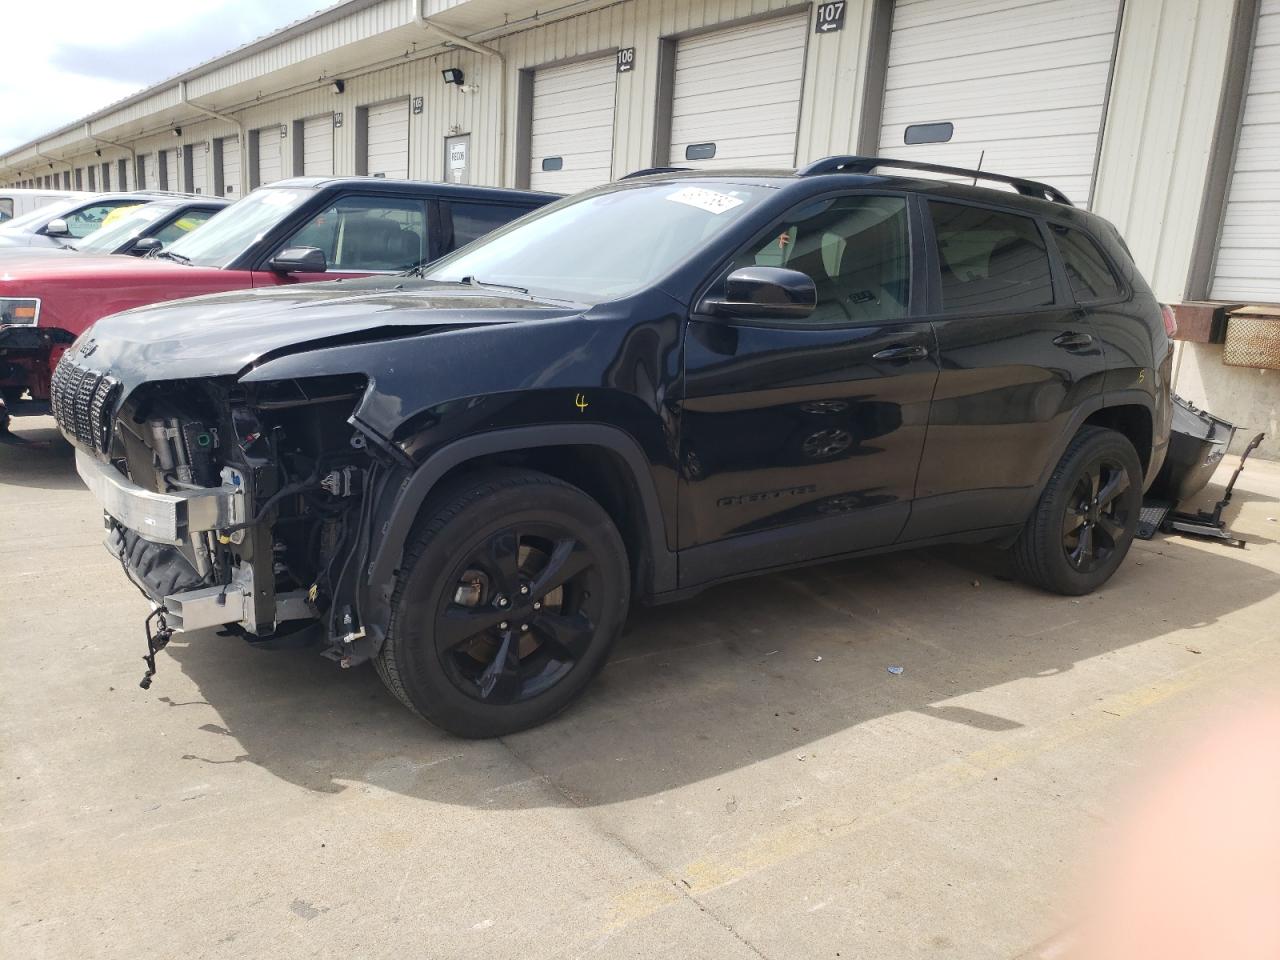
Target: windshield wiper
175	257
477	282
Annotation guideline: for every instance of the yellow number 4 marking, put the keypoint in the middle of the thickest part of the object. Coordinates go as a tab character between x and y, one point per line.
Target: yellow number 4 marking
580	401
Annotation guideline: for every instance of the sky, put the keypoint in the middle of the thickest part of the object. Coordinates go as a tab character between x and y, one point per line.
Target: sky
59	68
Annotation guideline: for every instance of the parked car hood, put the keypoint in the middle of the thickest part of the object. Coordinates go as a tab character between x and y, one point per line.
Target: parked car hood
72	270
17	240
225	333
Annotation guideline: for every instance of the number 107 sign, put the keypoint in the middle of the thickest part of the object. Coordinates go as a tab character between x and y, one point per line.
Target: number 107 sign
830	16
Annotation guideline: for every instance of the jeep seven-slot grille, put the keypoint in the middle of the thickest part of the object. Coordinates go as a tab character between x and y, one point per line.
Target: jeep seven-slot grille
82	401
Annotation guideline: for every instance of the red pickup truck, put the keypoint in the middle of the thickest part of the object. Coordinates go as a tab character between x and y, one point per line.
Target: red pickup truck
293	231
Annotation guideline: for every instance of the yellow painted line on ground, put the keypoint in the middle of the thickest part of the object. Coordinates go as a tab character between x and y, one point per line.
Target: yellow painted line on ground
796	839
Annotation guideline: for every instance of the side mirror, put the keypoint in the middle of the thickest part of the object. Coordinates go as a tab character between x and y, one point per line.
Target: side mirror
299	260
143	246
57	227
766	293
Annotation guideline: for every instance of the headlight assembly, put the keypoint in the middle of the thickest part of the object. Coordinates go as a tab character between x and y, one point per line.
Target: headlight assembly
19	311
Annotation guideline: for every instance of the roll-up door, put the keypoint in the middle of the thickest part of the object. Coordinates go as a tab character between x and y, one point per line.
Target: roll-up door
167	169
317	146
230	173
736	95
388	139
199	168
1022	84
1247	267
270	168
571	136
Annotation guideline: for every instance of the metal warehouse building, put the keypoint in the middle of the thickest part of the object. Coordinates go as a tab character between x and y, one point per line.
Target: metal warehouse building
1162	115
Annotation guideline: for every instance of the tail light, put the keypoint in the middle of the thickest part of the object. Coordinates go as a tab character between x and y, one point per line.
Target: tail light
1170	321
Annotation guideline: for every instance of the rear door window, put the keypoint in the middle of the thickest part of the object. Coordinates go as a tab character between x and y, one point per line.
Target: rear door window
472	219
1088	272
990	261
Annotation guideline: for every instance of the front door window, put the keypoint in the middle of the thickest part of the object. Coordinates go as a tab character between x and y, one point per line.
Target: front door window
368	234
856	251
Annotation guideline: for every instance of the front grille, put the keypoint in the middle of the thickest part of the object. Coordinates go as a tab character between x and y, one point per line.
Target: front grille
82	401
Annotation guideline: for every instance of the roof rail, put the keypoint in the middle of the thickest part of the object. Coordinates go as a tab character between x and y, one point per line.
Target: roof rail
650	171
147	191
855	164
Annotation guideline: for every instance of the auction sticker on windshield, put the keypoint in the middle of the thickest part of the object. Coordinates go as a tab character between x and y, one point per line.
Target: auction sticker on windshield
712	201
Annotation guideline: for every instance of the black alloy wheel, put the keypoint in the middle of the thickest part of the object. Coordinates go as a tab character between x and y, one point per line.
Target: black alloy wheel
1096	520
513	589
522	615
1086	517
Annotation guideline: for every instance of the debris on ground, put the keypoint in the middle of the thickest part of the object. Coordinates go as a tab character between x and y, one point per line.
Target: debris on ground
817	659
1193	650
896	671
977	583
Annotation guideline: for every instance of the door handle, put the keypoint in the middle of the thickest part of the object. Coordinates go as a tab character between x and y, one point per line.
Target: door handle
1072	339
901	353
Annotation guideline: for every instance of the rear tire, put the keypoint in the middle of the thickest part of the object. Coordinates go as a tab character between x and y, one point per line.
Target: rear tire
1086	518
514	587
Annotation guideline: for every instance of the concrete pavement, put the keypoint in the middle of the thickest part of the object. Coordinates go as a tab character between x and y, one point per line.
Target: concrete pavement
745	779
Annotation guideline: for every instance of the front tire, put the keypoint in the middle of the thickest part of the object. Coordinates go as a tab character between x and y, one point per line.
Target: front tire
1086	518
513	589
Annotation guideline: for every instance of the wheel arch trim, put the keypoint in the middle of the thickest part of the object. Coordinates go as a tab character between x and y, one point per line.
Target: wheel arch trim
1095	404
379	581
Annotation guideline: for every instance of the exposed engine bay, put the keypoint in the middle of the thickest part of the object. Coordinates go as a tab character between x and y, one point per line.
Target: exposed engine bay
281	569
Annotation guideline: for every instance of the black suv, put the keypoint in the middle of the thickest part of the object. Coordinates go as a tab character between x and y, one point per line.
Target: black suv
469	474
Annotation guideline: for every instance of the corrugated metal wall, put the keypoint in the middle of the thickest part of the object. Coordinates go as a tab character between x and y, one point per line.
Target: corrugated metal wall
1159	132
830	112
1151	180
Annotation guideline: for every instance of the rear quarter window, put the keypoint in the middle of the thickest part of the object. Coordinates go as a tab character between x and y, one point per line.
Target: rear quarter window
1088	271
990	261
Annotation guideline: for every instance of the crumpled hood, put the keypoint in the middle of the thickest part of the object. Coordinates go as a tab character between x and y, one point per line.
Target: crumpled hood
223	334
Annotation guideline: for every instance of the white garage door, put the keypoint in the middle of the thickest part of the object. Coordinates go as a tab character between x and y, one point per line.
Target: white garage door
736	95
389	140
1022	83
199	168
231	166
1248	261
571	140
270	168
317	146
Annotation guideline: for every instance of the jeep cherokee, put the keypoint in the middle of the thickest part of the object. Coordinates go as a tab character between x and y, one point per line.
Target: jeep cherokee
468	475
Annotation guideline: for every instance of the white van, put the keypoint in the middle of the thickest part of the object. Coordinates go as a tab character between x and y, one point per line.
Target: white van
15	202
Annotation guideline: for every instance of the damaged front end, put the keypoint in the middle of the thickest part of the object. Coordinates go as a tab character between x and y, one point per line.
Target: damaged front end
241	506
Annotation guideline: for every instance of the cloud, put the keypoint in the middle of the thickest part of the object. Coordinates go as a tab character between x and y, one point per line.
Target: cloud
95	53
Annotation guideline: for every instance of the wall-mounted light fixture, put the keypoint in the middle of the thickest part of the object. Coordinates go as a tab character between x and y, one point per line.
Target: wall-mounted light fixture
338	86
97	153
453	75
177	131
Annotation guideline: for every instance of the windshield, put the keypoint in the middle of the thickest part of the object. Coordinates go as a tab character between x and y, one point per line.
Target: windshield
228	234
125	227
602	246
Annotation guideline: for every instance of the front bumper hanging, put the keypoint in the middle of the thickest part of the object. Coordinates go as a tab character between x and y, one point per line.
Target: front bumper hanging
172	520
